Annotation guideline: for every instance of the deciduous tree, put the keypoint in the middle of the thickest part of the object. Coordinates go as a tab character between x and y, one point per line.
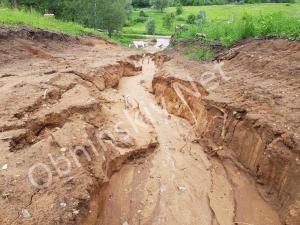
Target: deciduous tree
160	4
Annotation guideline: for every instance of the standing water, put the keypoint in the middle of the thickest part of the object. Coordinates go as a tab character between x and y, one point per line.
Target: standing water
159	44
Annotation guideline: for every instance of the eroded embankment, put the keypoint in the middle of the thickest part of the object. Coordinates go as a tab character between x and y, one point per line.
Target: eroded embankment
268	155
83	141
59	139
179	183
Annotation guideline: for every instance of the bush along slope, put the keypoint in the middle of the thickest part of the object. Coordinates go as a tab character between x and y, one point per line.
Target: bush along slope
15	17
227	33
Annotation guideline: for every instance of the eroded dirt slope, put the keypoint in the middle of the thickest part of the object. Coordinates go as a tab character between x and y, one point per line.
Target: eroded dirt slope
94	133
53	121
248	105
179	183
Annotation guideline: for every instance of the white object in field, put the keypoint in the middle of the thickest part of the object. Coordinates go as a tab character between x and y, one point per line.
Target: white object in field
49	15
162	43
139	44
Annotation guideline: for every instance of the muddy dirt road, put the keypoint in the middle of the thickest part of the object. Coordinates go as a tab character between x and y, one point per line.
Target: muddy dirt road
96	134
178	184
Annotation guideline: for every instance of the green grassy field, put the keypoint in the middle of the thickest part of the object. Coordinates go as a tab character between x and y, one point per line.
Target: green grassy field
228	33
215	28
215	12
36	20
14	17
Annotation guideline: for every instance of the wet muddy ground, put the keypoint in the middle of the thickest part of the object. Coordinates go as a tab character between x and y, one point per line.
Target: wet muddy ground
95	133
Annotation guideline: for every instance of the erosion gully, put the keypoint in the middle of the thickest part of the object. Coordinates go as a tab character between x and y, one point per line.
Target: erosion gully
178	183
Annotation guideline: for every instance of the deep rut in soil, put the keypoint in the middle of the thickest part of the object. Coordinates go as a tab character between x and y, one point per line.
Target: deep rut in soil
109	140
178	183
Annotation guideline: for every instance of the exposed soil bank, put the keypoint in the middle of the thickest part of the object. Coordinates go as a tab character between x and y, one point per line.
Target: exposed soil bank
83	140
178	183
228	122
57	139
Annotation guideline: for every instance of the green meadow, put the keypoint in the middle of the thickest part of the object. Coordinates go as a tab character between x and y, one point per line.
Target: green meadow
15	17
224	23
34	19
213	12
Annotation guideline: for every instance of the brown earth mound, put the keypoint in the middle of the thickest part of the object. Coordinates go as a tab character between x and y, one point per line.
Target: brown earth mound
52	119
252	109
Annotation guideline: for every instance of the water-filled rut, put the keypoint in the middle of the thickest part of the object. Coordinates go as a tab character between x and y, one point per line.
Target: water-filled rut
95	133
178	183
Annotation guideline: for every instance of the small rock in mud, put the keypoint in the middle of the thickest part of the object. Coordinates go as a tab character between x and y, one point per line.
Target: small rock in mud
298	161
181	188
75	212
5	195
4	167
63	205
63	149
25	213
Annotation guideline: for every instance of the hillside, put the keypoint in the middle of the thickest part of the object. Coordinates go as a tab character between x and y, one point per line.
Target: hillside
15	17
215	12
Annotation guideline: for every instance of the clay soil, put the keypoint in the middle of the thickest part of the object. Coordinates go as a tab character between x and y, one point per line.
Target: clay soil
95	133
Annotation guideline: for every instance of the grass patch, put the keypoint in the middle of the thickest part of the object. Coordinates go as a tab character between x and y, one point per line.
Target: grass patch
230	32
199	53
213	12
14	17
36	20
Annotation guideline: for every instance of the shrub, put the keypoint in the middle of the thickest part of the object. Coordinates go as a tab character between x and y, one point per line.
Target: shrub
168	20
228	33
143	14
201	17
140	20
129	23
191	19
160	4
150	27
179	9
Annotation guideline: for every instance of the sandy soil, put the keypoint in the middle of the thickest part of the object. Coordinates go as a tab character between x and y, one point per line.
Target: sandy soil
250	107
178	184
86	137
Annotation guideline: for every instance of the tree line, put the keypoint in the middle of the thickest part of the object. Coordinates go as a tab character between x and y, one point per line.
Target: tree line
110	15
147	3
105	14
